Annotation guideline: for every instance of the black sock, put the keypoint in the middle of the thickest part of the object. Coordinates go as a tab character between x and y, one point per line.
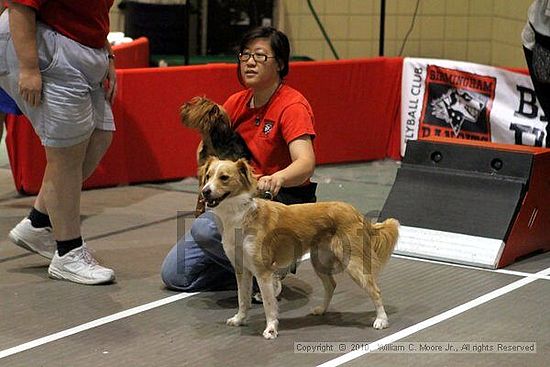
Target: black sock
66	246
39	219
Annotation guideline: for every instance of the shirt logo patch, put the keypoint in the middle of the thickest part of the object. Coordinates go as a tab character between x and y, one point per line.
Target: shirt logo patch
268	126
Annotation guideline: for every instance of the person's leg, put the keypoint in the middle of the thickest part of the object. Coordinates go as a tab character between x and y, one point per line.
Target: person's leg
34	233
70	248
61	187
188	268
197	262
98	144
61	190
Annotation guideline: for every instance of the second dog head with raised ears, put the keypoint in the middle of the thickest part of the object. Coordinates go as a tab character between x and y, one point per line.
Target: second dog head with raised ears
225	179
203	114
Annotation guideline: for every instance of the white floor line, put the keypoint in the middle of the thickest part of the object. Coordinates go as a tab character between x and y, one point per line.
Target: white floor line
500	271
92	324
435	319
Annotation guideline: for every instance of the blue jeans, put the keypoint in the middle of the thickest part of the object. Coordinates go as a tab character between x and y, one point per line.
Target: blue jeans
198	262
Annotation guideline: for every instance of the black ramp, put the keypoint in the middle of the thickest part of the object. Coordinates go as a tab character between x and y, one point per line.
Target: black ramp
446	201
458	189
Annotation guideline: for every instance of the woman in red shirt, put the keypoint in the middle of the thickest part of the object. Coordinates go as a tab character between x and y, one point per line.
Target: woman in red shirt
276	122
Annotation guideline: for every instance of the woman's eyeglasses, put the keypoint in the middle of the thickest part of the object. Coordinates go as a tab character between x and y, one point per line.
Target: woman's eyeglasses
258	57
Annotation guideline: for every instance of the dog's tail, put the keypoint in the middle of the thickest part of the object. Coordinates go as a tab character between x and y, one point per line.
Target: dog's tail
384	238
373	253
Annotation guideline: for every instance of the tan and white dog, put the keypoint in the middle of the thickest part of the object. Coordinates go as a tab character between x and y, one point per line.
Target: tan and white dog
260	236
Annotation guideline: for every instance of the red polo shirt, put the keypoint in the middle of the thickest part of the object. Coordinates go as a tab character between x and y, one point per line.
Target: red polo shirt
85	21
269	129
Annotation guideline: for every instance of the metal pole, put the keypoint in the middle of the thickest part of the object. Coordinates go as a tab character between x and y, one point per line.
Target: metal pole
382	24
204	27
187	27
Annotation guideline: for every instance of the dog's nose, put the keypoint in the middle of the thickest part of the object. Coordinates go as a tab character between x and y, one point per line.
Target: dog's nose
206	192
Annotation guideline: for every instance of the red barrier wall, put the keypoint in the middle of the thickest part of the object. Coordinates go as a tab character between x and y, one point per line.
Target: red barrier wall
133	54
356	106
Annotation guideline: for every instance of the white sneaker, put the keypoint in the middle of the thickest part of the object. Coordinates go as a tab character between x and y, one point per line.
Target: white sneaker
79	266
37	240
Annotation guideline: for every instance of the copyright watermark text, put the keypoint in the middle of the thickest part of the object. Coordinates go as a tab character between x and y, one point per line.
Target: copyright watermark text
416	347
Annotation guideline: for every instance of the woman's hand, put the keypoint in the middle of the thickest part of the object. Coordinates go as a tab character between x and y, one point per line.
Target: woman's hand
272	183
110	82
30	86
300	170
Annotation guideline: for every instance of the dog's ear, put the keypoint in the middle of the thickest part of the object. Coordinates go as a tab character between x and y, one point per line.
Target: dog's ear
204	169
218	114
214	113
246	172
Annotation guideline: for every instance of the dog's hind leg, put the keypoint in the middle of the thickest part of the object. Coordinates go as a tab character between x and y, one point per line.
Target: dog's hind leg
271	307
381	321
366	281
329	284
244	291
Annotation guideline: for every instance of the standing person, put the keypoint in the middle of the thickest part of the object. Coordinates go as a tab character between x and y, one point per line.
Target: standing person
276	122
56	63
536	46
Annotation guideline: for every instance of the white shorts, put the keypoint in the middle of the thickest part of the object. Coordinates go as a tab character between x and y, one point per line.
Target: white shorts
73	99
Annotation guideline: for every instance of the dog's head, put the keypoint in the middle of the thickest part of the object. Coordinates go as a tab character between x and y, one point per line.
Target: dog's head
202	114
226	179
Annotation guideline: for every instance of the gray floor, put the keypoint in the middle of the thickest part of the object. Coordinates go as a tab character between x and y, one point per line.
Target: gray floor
136	322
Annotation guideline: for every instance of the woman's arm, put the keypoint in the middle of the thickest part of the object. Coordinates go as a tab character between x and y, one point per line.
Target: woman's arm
296	173
23	32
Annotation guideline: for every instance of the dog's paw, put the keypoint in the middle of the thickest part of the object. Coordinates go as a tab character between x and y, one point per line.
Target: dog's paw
317	311
270	332
236	320
380	323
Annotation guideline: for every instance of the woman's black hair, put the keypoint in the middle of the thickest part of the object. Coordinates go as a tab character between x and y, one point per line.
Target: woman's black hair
278	42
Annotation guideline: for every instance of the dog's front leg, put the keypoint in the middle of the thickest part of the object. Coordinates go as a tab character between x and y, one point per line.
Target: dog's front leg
244	290
271	307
